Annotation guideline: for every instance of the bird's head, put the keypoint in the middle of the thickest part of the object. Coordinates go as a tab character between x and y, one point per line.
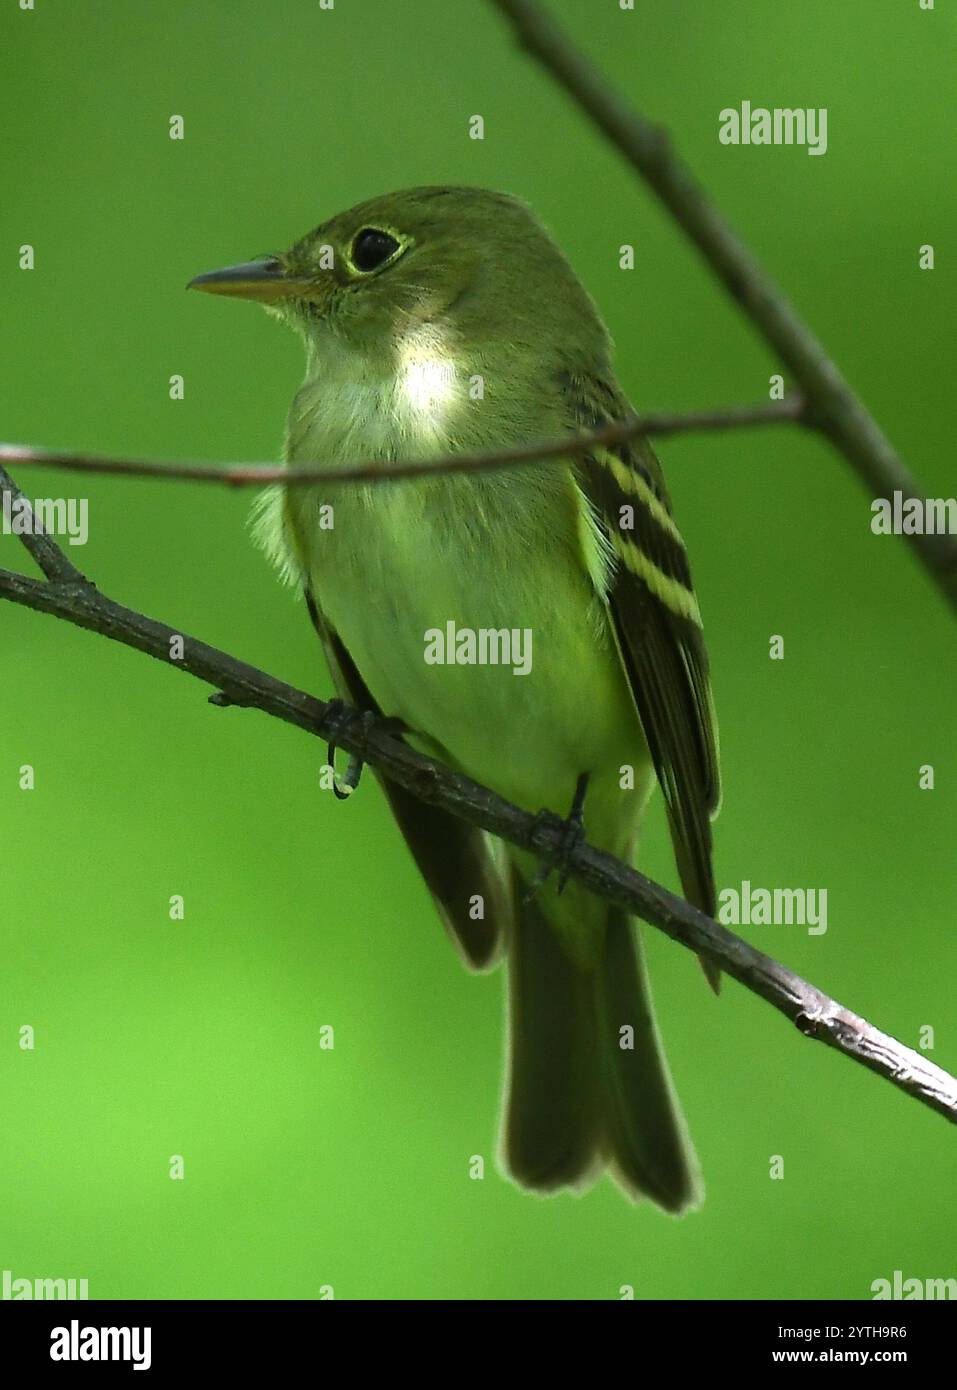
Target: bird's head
474	263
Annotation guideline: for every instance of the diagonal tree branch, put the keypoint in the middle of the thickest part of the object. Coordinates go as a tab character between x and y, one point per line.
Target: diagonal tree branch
788	411
831	403
70	597
47	554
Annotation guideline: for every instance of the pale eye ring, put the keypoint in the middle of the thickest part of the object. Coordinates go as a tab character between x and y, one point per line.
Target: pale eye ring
372	248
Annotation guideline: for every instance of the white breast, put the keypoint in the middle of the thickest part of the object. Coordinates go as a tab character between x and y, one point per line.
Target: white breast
486	551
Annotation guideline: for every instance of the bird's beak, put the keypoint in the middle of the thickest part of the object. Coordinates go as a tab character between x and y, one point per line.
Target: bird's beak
266	281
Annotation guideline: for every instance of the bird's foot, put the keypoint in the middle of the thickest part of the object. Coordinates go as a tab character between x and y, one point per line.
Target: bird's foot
358	725
572	835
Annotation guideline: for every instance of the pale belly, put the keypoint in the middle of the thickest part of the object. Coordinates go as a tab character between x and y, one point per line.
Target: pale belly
402	562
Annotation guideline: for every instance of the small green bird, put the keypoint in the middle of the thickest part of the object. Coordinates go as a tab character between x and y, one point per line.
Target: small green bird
442	320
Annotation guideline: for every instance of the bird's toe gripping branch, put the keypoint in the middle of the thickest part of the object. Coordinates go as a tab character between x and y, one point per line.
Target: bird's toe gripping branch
345	720
572	835
358	725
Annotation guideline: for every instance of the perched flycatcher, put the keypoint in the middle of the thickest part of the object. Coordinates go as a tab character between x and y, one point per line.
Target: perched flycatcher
442	320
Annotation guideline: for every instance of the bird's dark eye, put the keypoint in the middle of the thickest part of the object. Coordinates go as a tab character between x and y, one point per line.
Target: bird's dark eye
372	248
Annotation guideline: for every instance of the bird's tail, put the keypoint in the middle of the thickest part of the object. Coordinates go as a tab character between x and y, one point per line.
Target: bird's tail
588	1085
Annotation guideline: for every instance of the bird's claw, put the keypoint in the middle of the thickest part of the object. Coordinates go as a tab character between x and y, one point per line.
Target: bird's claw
345	720
572	830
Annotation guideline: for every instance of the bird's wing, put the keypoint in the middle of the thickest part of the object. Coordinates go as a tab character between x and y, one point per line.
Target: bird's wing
454	858
656	619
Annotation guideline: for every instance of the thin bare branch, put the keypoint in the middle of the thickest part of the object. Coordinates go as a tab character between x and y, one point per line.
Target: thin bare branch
787	411
48	555
831	403
814	1013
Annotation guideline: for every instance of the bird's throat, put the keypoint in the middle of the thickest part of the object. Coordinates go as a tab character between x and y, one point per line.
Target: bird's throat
405	402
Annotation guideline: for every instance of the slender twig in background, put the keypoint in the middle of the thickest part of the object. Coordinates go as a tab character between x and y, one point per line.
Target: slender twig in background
831	403
788	411
66	594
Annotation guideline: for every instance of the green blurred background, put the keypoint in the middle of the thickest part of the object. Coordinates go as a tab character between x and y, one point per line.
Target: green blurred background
349	1167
